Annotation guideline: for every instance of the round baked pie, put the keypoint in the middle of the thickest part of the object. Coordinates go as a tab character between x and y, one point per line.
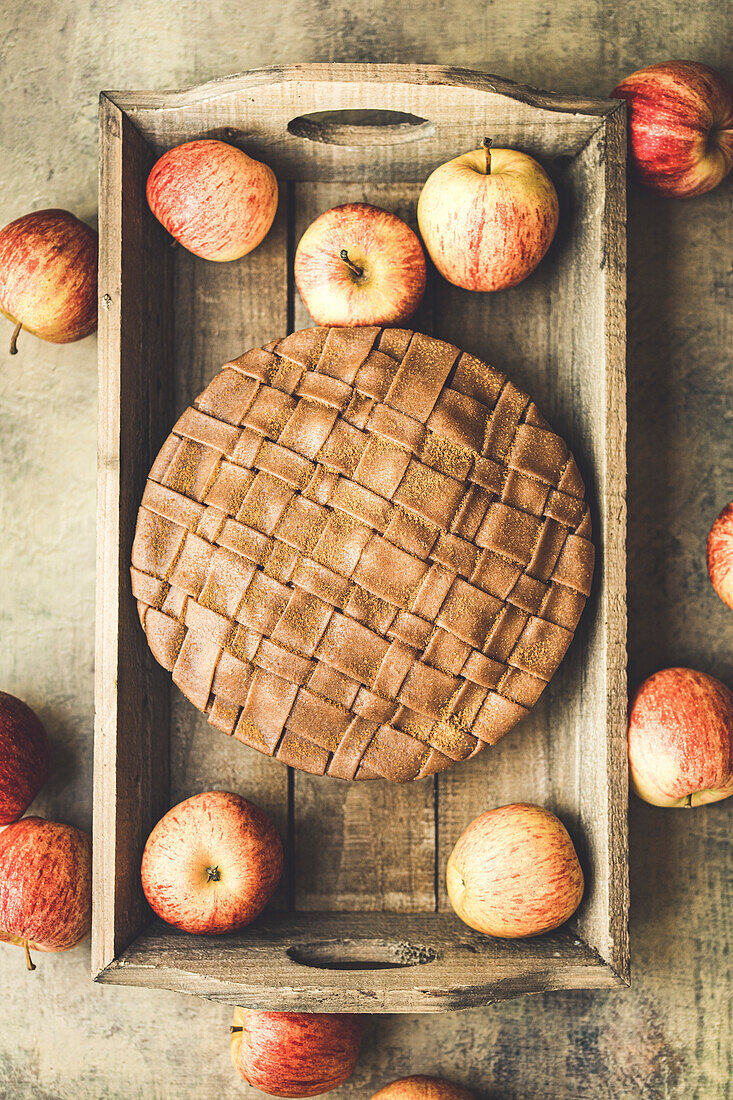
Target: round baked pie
363	552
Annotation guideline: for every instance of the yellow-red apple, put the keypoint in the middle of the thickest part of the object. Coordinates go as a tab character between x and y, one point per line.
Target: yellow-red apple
681	739
420	1087
45	886
214	199
24	757
212	863
514	872
720	555
48	276
488	217
680	126
294	1053
360	265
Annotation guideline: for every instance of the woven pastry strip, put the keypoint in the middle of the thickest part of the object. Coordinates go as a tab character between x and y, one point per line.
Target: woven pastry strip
362	552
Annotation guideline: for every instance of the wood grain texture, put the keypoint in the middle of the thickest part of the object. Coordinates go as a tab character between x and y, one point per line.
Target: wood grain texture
518	332
433	963
341	856
132	710
220	310
568	321
256	110
377	851
668	1037
602	791
571	331
440	75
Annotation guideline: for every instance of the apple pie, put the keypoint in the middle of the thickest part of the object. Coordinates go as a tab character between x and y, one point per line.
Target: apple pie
363	552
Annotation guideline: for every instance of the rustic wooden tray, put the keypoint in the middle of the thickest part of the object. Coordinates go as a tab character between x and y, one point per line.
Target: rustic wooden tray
362	921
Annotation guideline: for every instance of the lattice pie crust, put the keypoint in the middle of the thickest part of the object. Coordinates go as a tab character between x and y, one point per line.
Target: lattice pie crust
362	552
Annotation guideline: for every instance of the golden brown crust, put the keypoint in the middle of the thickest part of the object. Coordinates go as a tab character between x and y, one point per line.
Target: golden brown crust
362	552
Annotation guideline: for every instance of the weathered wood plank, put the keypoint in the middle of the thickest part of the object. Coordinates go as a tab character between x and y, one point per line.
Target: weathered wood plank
257	108
440	75
369	962
561	334
349	871
596	340
131	693
670	1035
516	331
362	846
221	310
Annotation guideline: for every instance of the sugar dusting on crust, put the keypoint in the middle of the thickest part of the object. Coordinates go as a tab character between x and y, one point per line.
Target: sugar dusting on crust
311	588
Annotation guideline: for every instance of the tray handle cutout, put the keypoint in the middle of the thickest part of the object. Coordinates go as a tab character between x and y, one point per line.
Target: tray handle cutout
357	128
361	955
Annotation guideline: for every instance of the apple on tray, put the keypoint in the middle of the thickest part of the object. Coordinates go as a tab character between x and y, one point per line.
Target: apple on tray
360	265
213	199
48	276
488	217
514	872
720	555
421	1087
211	864
681	739
45	886
295	1053
680	126
24	757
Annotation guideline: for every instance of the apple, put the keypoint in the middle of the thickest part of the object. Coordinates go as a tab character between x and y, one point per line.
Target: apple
24	757
514	872
359	265
488	217
680	126
294	1053
681	739
420	1087
214	199
720	555
212	863
45	886
48	276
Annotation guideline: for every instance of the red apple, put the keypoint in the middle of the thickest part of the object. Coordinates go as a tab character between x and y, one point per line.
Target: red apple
214	199
48	276
24	757
680	126
420	1087
212	863
359	265
294	1053
488	217
681	739
720	555
514	872
45	886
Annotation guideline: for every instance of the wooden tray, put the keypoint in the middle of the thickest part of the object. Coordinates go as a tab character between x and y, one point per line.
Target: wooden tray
362	921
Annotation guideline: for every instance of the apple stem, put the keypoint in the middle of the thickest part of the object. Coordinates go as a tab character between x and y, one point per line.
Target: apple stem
214	874
233	1030
688	802
28	960
14	338
487	143
354	267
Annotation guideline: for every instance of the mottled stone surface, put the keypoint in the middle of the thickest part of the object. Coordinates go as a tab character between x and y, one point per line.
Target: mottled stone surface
670	1034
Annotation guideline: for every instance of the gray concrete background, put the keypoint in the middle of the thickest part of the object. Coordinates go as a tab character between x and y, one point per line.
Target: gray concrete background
669	1036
